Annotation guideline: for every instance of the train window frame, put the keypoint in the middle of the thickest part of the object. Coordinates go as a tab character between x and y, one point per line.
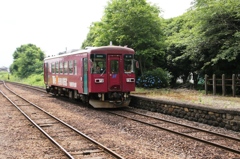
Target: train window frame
53	68
57	67
75	67
98	60
70	67
65	67
61	67
129	63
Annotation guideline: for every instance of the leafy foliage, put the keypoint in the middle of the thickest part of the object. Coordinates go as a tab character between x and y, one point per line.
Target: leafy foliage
132	23
28	60
204	40
180	33
34	79
157	78
219	42
4	75
93	33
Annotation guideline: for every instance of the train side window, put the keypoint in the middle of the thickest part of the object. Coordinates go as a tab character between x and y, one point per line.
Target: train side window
70	67
61	68
57	67
65	67
129	63
53	67
75	67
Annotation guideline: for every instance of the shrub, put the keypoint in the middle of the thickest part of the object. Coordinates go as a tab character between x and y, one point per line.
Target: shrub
4	75
157	78
35	79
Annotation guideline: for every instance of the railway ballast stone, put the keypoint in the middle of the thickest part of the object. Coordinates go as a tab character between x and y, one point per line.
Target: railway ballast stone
225	118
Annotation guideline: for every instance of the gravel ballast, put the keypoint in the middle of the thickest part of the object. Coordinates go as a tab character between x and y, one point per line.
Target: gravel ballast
128	138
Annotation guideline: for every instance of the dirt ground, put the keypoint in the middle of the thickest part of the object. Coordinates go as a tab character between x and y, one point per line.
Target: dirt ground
195	97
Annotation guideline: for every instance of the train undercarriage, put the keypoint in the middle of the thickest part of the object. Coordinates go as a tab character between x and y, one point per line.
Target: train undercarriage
96	100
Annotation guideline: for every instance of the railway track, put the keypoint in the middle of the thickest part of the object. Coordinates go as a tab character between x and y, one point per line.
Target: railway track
28	86
225	142
221	141
72	142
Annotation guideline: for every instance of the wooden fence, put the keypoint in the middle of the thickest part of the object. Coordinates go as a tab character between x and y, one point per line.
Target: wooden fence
223	82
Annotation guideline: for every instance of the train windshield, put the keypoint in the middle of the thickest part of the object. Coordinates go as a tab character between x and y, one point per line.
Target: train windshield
98	63
128	63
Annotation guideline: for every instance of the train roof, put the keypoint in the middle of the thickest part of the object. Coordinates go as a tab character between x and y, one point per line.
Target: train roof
88	50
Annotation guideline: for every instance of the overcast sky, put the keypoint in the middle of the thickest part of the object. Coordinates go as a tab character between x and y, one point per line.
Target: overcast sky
54	25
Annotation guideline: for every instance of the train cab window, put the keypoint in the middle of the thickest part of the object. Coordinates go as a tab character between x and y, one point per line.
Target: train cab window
114	66
65	67
98	63
75	67
128	63
53	67
61	67
57	67
70	67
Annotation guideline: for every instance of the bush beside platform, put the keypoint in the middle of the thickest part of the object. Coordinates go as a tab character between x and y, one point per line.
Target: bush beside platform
225	118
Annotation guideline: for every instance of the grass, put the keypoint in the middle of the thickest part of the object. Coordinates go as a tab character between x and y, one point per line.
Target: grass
35	80
173	93
4	75
191	96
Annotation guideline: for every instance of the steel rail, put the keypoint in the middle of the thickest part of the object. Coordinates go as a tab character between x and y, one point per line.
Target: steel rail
28	86
69	126
35	124
178	133
195	128
187	126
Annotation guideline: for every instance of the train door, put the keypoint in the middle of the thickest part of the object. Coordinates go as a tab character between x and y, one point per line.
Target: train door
46	73
85	76
114	76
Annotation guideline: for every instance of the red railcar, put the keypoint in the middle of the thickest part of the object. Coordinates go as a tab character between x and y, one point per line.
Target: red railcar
102	76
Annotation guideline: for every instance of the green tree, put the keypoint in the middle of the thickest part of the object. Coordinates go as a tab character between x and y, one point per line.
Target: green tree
205	39
28	60
218	43
133	23
94	32
180	33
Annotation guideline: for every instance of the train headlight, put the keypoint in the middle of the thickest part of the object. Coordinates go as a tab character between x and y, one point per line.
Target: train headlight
99	80
130	80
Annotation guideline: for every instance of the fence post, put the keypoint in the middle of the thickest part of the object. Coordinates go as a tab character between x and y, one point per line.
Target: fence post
214	84
223	85
233	85
206	81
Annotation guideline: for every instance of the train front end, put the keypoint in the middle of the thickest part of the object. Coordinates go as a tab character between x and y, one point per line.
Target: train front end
112	76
